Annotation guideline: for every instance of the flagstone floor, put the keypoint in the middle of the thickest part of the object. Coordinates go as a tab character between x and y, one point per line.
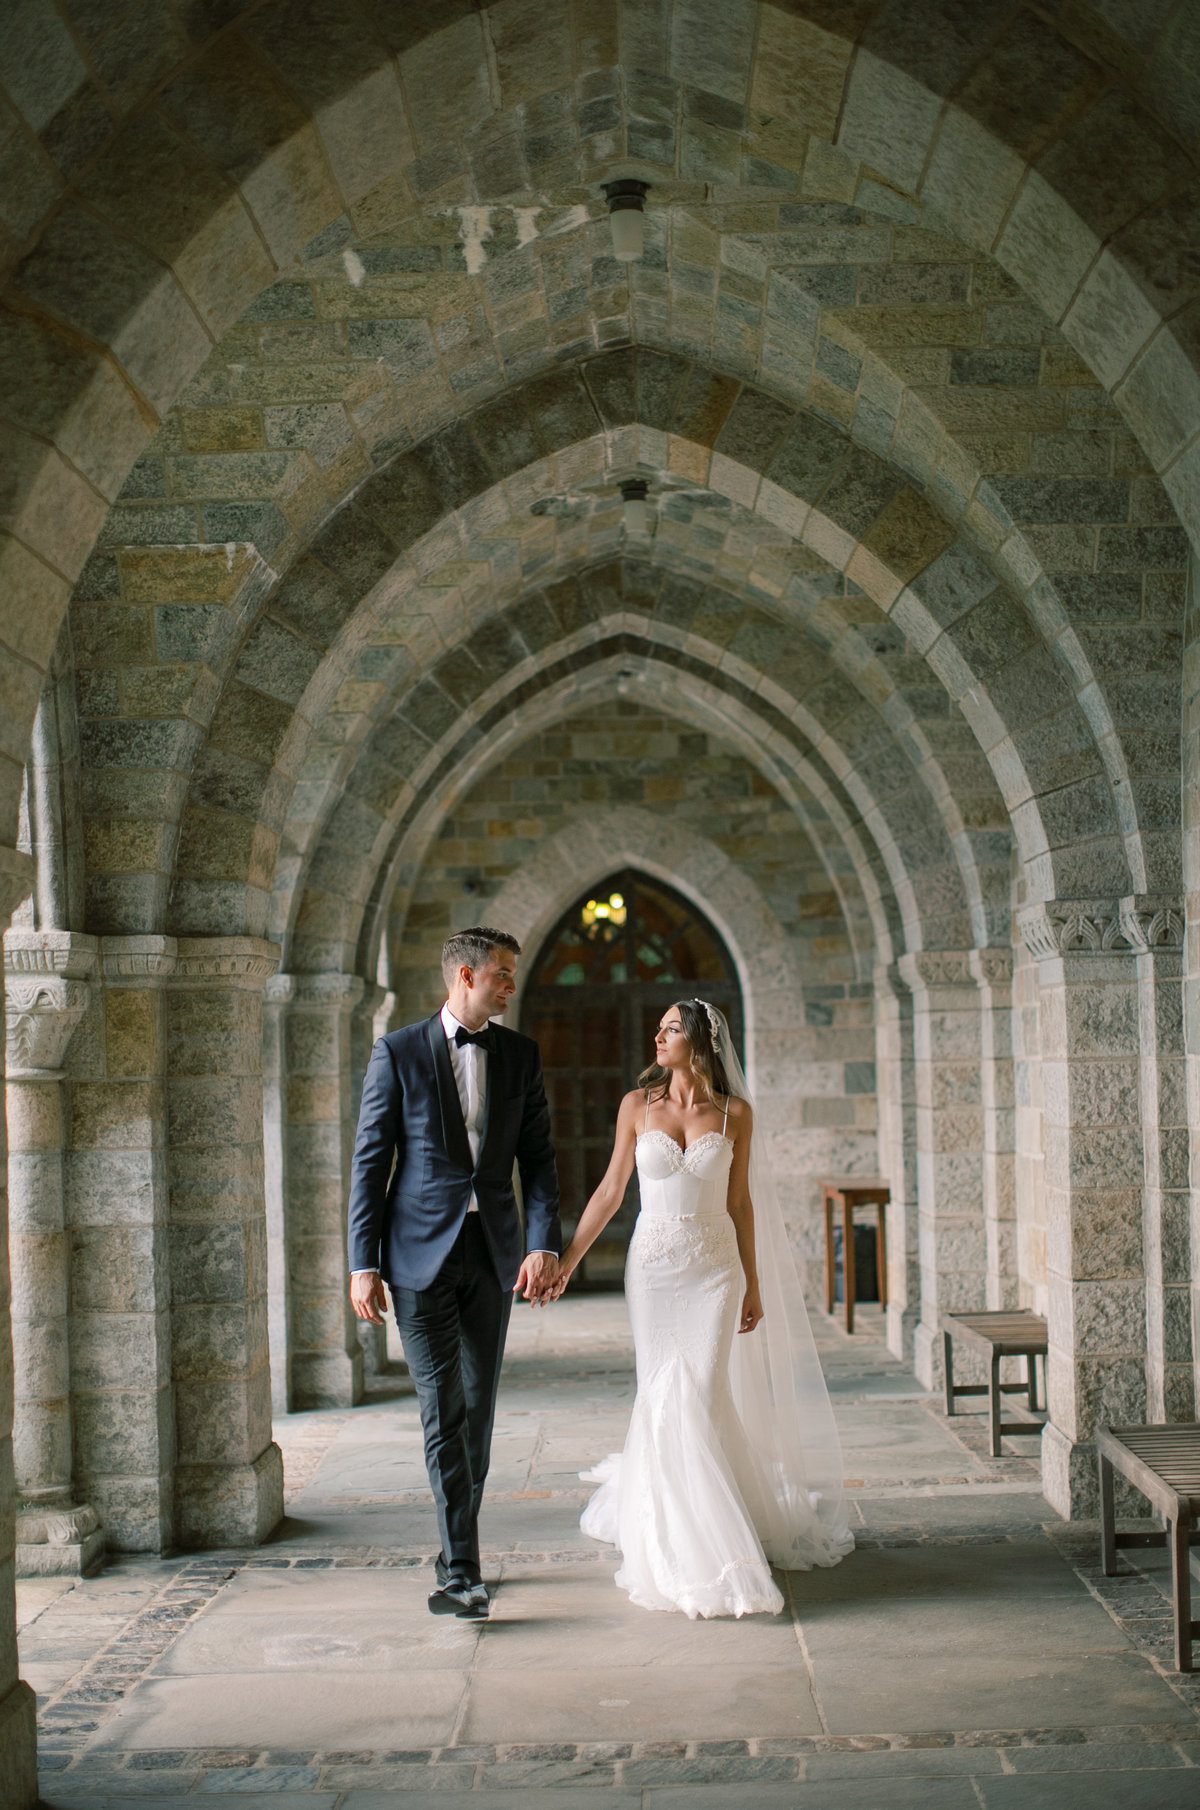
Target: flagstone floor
968	1655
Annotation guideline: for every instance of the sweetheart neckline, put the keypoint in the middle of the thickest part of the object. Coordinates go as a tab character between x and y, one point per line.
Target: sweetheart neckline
656	1131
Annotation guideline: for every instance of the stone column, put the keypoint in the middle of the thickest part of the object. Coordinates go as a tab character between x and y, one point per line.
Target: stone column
992	969
18	1733
1155	931
276	994
947	1041
1096	1294
1029	1156
229	1473
46	996
116	1191
898	1155
326	1356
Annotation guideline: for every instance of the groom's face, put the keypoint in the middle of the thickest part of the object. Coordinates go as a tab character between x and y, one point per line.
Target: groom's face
494	982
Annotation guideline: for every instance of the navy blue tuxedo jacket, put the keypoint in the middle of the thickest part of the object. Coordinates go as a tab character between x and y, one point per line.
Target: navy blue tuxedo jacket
404	1219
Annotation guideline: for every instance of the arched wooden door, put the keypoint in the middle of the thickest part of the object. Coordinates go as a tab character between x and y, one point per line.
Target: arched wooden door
599	985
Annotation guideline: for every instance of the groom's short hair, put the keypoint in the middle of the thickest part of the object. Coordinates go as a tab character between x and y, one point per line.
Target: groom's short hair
471	948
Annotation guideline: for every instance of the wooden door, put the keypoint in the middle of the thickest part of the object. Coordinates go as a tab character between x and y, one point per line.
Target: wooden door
611	966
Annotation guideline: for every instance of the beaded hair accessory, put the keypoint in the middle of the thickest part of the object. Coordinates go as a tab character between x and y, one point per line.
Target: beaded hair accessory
714	1029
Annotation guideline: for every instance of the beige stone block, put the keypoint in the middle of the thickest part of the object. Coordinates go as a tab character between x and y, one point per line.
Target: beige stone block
796	85
224	266
970	179
366	136
291	195
132	1032
228	428
115	1115
1161	398
909	535
1045	245
446	83
162	343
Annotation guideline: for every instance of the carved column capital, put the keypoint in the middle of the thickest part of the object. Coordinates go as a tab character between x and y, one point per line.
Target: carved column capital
319	992
244	962
142	960
1133	925
45	996
937	968
992	967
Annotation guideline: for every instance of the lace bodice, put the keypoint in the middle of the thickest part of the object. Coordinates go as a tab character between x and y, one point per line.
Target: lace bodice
675	1183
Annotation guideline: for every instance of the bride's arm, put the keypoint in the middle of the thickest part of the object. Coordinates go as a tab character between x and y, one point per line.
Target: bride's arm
741	1211
608	1196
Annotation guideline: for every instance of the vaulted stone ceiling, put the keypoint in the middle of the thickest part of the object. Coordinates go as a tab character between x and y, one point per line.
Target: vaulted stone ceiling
935	579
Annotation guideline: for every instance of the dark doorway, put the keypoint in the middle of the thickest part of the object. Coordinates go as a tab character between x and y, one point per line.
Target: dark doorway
599	985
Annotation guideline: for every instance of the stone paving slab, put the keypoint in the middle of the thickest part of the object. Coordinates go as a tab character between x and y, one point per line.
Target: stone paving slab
1092	1791
283	1709
631	1703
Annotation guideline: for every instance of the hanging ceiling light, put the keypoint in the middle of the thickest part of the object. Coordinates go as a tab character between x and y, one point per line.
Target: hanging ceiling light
626	201
637	511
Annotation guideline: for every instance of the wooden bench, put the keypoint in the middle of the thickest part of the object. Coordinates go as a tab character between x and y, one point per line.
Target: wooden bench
1011	1332
842	1194
1164	1463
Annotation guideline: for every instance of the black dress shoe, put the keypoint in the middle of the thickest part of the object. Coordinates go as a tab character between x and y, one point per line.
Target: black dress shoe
469	1602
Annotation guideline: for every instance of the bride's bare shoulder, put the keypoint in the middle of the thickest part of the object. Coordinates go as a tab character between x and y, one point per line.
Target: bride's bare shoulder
741	1113
633	1101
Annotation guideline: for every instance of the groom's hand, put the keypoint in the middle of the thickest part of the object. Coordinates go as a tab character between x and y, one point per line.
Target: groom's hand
537	1276
367	1297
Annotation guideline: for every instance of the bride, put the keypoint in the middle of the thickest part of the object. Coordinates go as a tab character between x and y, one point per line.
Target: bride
732	1460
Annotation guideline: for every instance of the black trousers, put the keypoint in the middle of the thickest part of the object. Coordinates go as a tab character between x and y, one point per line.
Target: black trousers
453	1337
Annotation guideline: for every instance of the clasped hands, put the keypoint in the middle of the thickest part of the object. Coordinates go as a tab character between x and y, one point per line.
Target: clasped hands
540	1278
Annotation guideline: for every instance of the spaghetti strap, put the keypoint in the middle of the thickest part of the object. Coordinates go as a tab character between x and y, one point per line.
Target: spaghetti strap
646	1120
725	1120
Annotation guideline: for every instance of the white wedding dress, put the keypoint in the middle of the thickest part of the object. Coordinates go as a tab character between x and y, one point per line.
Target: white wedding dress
697	1506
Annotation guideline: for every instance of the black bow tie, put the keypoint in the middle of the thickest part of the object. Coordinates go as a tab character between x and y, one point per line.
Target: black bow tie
486	1039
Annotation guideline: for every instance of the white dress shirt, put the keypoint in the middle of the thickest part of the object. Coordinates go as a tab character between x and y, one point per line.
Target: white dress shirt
469	1062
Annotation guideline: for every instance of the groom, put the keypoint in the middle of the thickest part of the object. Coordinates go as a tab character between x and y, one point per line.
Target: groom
453	1101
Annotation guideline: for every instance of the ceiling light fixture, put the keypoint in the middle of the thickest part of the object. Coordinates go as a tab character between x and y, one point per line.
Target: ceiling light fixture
626	201
637	510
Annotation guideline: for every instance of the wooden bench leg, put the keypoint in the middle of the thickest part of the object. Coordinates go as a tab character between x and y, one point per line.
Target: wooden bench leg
829	1263
1031	1379
1181	1591
1108	1519
948	1366
994	1402
848	1276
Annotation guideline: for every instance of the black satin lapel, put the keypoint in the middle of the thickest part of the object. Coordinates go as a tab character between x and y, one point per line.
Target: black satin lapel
493	1112
454	1131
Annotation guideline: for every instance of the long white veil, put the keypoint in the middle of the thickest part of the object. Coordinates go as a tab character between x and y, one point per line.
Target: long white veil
778	1385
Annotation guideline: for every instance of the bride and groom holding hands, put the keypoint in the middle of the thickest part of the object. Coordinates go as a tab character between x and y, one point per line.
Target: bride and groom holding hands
732	1461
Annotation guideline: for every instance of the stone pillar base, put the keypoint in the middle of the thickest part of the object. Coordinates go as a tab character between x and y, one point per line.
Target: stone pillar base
927	1356
373	1342
66	1541
902	1323
18	1748
330	1379
229	1504
1069	1479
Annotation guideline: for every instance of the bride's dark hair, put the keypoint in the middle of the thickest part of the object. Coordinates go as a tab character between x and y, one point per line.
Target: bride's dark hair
705	1059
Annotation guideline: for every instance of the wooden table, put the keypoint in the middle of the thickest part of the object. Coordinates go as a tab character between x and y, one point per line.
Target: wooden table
842	1194
1163	1461
1011	1332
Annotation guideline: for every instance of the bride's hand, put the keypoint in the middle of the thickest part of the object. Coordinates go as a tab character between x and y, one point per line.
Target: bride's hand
559	1283
752	1309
